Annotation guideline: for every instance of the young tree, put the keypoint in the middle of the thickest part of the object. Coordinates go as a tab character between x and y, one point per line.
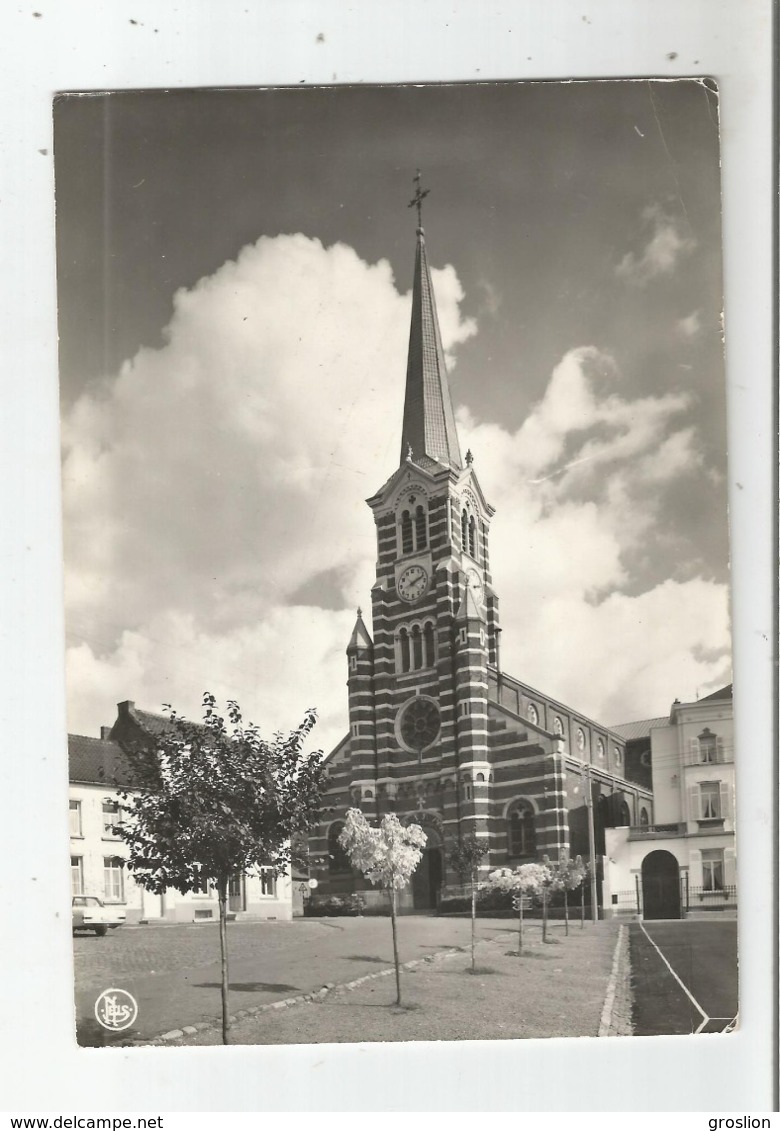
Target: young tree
387	856
210	800
465	857
568	876
527	881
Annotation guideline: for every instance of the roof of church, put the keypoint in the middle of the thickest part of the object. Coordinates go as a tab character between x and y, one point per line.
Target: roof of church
96	761
429	421
639	729
359	638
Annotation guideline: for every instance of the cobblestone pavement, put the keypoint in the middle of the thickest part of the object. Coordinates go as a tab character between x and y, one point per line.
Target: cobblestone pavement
174	971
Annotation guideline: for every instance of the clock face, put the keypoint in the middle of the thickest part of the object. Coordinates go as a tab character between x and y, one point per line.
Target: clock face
419	724
412	583
475	584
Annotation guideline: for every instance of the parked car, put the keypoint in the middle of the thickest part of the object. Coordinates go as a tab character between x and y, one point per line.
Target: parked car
92	914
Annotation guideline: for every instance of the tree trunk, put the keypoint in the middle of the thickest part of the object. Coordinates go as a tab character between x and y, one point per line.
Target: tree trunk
544	915
222	895
473	923
566	909
520	925
395	948
582	906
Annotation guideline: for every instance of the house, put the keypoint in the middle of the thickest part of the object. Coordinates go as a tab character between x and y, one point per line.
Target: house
439	733
683	862
98	857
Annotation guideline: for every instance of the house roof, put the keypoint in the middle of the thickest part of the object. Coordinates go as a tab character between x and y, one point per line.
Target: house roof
639	729
724	693
96	761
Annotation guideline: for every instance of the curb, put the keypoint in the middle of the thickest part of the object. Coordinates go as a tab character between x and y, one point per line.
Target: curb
287	1003
616	1013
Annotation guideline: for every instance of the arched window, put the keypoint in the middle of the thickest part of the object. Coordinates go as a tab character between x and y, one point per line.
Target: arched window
338	861
521	829
624	815
558	727
644	819
404	658
472	536
421	527
417	653
464	530
533	714
407	535
430	654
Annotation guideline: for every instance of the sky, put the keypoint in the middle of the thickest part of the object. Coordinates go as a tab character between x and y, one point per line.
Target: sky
234	282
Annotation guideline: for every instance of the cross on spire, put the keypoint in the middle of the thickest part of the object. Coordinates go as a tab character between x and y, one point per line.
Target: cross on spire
419	196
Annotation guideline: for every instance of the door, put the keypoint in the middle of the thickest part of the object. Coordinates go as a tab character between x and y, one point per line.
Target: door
426	880
151	905
661	886
236	894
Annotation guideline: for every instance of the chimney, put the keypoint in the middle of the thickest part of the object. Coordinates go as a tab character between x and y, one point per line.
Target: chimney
105	732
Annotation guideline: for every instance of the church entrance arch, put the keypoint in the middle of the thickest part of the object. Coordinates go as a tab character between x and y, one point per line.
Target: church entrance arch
661	886
427	876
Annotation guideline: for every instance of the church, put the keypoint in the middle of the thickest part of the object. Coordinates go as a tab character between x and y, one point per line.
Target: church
439	733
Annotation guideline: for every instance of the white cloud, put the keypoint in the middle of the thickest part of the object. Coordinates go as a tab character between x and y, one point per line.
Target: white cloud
214	478
664	245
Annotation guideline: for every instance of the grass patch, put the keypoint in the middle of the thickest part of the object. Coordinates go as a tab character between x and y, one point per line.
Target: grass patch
481	970
522	1000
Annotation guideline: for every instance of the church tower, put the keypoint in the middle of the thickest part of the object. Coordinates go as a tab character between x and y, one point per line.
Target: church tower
418	693
439	733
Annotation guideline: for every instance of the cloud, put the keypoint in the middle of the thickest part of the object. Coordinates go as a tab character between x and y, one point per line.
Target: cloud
214	486
664	245
581	490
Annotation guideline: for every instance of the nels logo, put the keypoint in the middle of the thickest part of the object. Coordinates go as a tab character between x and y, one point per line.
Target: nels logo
116	1010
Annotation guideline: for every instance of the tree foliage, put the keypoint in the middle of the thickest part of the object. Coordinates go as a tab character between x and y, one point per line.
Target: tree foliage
387	856
211	800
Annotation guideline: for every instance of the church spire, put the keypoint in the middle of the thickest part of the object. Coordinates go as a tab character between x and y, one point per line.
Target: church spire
429	422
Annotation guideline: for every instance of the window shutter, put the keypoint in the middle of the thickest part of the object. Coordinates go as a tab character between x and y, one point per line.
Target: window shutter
695	754
694	803
725	801
720	755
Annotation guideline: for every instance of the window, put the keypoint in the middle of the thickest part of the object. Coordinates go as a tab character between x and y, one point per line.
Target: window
644	819
712	869
429	650
414	528
338	861
558	727
709	793
533	714
581	740
415	649
267	882
618	756
75	818
420	528
407	535
201	886
77	875
404	653
600	749
417	653
521	829
113	879
468	533
111	816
